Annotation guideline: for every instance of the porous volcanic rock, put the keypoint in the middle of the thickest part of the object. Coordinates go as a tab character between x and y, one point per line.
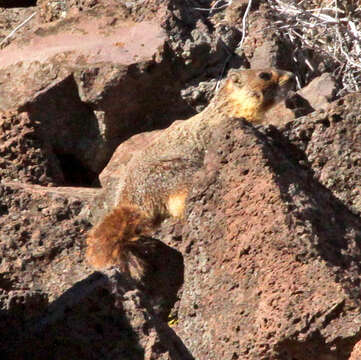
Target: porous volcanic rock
329	143
138	10
272	257
271	239
99	316
320	91
356	353
90	80
41	236
53	306
59	9
24	154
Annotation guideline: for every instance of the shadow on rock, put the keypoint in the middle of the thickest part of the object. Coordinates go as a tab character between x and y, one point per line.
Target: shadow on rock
164	276
103	316
335	232
69	126
81	324
281	251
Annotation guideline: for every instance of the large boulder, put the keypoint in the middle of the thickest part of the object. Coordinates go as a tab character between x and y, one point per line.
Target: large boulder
42	233
52	305
91	80
272	258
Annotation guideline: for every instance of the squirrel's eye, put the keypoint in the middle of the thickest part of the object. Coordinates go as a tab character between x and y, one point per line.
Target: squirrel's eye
265	76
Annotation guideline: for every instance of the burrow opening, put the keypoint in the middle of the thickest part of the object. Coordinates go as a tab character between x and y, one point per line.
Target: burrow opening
75	173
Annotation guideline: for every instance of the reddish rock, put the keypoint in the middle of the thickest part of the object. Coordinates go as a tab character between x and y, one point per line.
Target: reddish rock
271	248
235	11
319	92
262	47
24	155
266	55
90	80
54	9
53	306
267	269
271	267
271	258
280	115
329	143
41	236
138	10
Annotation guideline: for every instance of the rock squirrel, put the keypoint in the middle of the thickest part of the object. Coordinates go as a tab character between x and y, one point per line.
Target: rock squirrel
159	177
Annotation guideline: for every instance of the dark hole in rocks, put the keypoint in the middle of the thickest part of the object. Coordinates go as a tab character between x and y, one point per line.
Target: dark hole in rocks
336	118
3	209
340	102
99	329
298	105
75	173
326	123
5	283
17	3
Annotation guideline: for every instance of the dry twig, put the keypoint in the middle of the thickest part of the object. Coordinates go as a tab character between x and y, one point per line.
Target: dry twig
329	31
16	29
244	32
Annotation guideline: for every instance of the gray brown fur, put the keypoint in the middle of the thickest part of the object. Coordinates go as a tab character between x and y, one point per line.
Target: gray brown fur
167	165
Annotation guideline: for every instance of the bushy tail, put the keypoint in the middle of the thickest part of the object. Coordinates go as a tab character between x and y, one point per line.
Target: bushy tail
116	241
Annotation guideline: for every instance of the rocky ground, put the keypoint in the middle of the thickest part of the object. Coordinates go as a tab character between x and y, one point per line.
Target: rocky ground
266	264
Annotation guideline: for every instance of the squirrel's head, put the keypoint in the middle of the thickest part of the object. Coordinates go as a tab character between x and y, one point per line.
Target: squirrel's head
250	93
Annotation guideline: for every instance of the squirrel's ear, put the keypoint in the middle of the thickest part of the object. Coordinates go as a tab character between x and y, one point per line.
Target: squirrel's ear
229	85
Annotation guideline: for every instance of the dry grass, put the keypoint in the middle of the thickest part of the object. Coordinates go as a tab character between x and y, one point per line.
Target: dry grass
331	29
215	5
5	41
319	31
